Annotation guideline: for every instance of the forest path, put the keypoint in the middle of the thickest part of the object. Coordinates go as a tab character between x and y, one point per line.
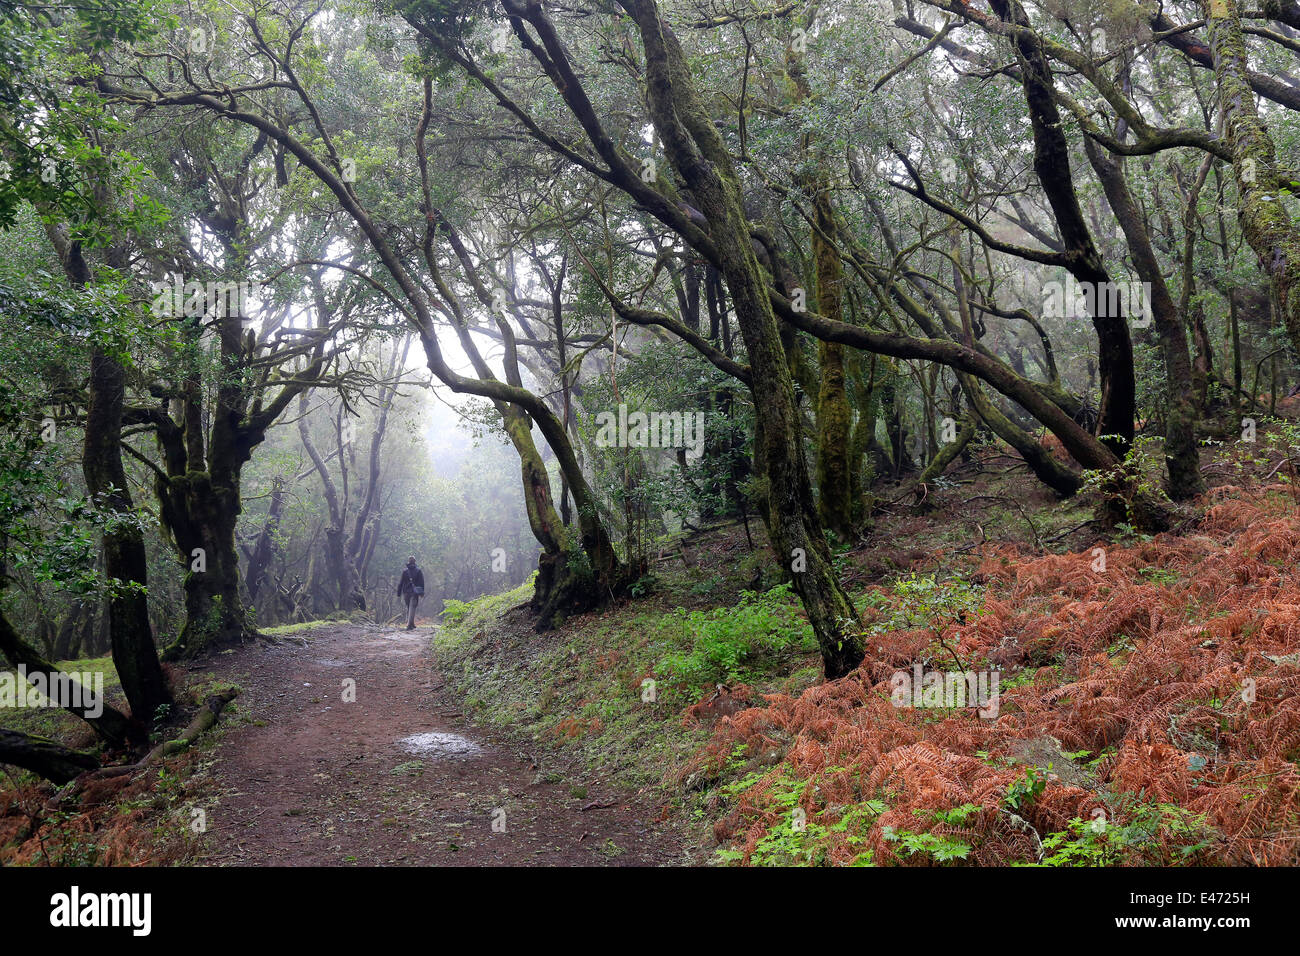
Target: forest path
396	777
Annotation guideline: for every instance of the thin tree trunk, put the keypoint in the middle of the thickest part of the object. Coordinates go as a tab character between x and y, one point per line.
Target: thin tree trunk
264	551
1182	455
125	560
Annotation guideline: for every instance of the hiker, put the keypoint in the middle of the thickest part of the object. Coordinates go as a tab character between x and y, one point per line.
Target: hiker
411	589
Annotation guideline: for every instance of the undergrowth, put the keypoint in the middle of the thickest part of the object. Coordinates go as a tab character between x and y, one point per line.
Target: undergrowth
727	645
141	819
1148	710
1148	716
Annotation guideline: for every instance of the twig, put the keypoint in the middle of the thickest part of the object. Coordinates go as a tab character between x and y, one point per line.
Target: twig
1067	533
944	644
984	539
1277	468
1037	540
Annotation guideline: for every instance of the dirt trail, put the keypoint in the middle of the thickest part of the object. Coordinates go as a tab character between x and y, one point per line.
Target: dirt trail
397	777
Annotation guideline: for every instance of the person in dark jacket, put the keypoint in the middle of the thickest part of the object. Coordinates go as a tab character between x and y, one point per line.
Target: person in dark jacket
410	589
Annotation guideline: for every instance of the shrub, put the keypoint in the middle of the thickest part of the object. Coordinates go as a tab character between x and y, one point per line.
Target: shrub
454	611
726	641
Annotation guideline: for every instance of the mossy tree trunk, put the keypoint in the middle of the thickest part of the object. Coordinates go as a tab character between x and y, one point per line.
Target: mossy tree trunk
199	495
125	560
1083	260
834	416
696	151
1261	209
574	574
863	455
204	516
126	563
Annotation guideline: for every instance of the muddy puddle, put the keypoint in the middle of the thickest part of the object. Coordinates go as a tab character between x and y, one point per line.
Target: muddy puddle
439	746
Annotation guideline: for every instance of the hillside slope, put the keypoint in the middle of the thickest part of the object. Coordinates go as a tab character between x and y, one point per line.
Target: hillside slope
1146	705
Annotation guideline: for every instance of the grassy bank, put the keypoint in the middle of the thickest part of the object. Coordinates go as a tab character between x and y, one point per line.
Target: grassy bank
1147	699
628	696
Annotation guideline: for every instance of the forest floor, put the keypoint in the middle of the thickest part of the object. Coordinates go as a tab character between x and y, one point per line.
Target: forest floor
398	776
1149	708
